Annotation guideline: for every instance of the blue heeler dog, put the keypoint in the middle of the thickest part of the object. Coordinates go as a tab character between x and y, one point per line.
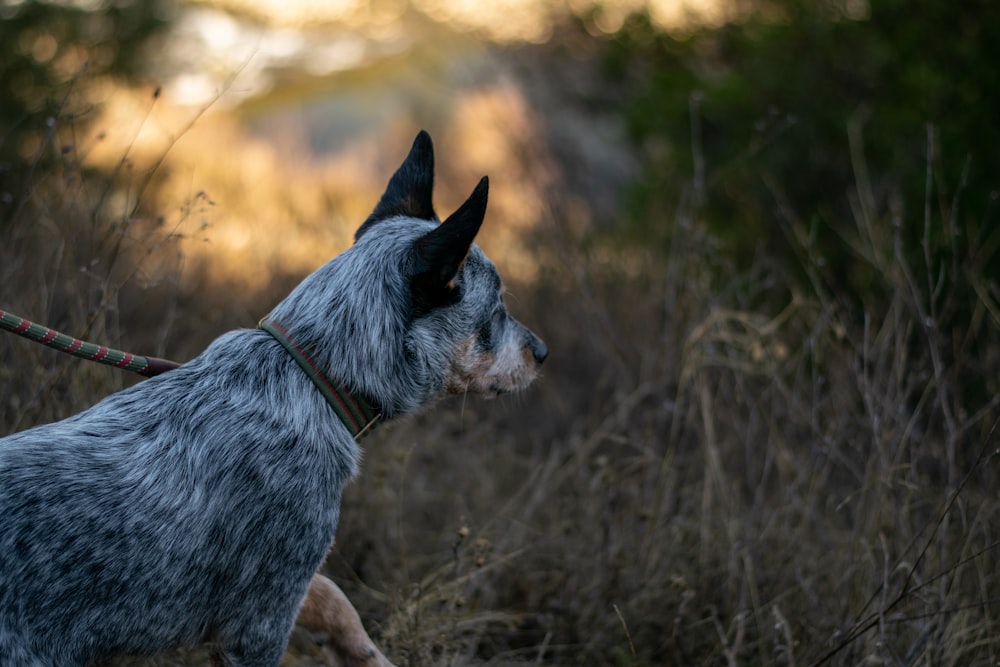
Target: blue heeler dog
197	505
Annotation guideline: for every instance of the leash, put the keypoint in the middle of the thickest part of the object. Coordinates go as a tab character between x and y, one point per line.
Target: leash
145	366
357	414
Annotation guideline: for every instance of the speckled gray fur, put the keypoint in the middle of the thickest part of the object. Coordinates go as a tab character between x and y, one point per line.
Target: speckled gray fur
196	505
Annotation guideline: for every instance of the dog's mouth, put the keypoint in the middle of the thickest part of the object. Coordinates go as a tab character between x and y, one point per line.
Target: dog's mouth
491	386
494	390
488	375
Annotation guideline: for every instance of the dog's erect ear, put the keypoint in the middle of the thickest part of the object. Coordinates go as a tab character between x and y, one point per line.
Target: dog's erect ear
438	254
410	188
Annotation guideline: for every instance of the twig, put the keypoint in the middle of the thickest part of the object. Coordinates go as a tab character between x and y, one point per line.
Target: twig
621	618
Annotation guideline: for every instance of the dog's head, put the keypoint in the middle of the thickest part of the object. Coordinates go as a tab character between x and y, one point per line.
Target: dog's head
414	309
455	292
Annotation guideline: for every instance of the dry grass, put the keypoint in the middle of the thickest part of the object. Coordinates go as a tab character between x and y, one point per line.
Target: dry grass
720	466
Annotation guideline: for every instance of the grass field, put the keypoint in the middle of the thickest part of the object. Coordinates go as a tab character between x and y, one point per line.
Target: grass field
723	464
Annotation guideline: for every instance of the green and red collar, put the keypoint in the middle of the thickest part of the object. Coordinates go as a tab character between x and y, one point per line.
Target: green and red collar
359	416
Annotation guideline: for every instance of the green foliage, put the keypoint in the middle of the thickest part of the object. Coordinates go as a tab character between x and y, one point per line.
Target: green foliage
774	101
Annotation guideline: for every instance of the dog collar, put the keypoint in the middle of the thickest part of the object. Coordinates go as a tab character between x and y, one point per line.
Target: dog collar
358	415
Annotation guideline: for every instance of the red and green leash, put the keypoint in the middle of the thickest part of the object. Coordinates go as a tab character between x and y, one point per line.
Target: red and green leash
146	366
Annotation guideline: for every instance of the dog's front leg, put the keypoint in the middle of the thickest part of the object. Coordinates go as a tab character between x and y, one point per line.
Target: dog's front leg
327	612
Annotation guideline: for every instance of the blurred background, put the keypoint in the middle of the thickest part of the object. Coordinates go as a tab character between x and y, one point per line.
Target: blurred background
760	238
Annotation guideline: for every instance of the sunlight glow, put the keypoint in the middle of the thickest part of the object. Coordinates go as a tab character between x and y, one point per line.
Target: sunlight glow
499	20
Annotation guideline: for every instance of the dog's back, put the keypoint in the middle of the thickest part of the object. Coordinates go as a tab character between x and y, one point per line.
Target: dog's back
149	521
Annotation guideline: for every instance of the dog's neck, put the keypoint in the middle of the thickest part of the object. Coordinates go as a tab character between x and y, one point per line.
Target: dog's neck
357	414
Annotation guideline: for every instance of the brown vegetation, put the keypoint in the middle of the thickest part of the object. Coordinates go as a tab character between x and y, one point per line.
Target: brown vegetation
719	467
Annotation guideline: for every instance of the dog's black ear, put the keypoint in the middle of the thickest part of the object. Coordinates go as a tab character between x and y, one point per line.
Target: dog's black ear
438	255
410	188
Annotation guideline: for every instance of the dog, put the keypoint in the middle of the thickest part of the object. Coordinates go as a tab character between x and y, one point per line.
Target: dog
197	505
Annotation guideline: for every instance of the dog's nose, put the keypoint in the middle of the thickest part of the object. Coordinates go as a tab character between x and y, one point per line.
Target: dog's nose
538	349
